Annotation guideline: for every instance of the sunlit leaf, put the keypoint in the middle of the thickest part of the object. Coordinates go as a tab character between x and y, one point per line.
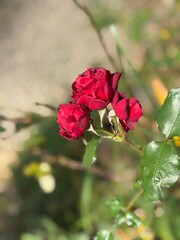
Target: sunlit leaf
115	34
90	152
129	218
110	237
120	219
104	235
116	205
31	169
132	219
30	236
35	169
159	169
168	118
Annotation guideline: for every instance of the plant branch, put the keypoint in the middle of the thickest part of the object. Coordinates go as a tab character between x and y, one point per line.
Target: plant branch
75	165
133	200
46	105
93	23
118	138
138	150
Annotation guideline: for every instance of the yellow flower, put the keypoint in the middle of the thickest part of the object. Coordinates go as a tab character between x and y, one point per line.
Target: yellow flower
176	141
159	90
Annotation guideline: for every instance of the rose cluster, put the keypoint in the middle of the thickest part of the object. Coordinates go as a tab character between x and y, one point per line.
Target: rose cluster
94	89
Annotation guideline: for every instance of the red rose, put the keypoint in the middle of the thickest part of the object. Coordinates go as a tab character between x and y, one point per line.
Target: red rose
95	88
127	110
73	119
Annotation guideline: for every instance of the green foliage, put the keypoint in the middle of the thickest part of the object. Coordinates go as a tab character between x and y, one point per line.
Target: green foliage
30	236
90	152
116	205
168	118
30	119
36	170
2	129
117	209
50	231
129	218
104	20
63	200
104	235
159	167
168	61
34	141
160	164
137	23
119	47
85	204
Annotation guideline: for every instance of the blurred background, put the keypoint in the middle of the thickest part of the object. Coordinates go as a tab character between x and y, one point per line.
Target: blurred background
44	45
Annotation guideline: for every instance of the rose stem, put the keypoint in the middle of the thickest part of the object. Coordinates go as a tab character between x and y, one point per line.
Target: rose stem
139	151
133	200
91	19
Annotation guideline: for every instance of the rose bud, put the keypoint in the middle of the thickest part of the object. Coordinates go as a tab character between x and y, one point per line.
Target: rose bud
95	88
73	119
127	110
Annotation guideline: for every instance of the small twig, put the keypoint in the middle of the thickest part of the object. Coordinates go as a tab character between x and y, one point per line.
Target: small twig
133	200
46	105
93	23
7	137
74	165
138	150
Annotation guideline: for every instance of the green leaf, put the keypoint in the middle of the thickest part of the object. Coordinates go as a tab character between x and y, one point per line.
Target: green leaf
115	34
130	218
110	237
104	235
120	219
116	205
90	152
159	169
168	118
2	129
30	236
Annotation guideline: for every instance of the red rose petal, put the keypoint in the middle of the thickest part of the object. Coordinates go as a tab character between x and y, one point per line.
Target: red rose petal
97	104
73	119
132	101
115	79
84	100
97	85
121	109
135	112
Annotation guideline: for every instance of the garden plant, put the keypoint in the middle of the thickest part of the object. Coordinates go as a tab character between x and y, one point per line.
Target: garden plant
104	165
